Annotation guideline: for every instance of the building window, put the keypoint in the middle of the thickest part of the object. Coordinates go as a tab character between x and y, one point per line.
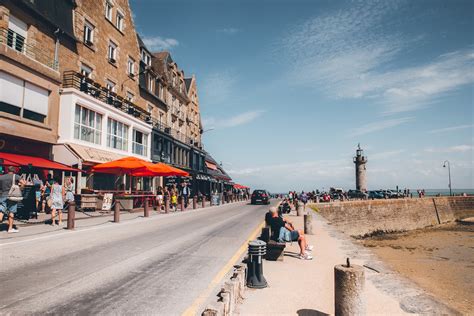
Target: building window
140	143
131	67
86	71
24	99
87	125
88	33
112	52
150	108
150	83
119	21
130	96
17	31
110	85
146	58
117	135
108	10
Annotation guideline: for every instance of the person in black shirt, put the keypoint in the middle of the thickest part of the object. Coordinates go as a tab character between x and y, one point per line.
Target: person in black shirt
284	231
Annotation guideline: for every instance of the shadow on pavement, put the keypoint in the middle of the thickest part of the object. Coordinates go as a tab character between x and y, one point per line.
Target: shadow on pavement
310	312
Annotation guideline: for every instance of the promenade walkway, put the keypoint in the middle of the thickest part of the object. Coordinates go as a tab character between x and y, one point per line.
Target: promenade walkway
298	287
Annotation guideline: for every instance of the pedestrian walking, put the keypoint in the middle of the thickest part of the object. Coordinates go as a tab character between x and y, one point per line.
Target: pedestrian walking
174	199
185	192
57	203
69	189
10	195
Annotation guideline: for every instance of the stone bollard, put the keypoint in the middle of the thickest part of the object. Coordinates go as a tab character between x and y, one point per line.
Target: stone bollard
146	208
117	212
167	204
349	286
181	203
299	210
71	215
308	224
203	201
195	200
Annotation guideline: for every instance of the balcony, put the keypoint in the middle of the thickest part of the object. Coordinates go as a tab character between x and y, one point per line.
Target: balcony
72	79
18	43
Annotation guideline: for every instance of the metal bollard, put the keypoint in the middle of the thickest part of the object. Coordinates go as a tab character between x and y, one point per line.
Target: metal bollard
308	224
117	212
349	284
203	201
167	204
195	200
71	215
255	278
181	203
146	208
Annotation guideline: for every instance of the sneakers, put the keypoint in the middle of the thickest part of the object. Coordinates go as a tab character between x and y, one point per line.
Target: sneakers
13	230
309	247
306	256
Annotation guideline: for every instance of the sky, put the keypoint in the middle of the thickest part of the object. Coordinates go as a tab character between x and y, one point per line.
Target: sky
289	88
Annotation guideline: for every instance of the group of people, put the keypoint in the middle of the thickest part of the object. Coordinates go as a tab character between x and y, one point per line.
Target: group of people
172	193
50	195
283	231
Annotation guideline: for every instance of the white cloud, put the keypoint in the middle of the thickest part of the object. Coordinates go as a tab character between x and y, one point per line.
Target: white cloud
386	154
379	125
450	129
229	30
237	120
156	43
216	87
346	54
451	149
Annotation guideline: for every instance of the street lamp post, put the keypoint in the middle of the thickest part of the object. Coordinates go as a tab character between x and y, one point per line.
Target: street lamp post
446	162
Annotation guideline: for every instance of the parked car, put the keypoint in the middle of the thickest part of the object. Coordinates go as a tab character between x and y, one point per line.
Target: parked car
356	194
376	195
260	196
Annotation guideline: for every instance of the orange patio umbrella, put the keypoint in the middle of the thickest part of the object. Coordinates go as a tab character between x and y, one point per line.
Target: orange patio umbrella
127	165
164	170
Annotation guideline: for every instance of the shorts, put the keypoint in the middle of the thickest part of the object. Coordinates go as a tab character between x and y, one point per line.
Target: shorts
287	235
38	196
7	206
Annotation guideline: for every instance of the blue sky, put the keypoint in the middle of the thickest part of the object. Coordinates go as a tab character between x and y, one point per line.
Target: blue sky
291	87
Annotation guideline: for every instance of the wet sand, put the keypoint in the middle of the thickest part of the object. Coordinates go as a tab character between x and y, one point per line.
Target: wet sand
439	259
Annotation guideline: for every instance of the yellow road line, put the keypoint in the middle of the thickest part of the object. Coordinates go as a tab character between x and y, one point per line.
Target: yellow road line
193	309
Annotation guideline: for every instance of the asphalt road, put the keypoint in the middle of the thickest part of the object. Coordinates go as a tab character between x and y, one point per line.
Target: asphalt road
157	265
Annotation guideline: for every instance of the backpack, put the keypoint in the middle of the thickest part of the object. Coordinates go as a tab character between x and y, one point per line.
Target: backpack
15	192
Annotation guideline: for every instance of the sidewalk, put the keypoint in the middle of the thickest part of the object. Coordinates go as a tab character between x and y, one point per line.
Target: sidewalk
298	287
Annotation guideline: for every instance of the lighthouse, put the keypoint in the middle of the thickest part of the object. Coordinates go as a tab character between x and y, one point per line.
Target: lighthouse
361	178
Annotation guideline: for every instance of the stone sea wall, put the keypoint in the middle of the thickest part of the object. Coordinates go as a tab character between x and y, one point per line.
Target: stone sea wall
359	218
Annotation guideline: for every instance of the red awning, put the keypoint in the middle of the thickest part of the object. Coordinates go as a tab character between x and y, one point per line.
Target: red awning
211	166
38	162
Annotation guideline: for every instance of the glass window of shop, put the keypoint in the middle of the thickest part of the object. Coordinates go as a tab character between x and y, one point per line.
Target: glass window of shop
140	143
117	135
87	125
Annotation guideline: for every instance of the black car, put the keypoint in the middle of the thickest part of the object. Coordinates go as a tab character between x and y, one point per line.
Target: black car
356	194
260	196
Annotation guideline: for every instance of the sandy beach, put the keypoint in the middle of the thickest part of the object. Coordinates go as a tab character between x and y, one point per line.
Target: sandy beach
439	259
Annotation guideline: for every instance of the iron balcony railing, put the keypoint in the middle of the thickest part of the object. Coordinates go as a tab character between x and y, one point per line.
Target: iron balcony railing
18	43
72	79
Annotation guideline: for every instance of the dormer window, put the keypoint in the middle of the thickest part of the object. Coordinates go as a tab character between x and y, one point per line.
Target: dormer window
146	58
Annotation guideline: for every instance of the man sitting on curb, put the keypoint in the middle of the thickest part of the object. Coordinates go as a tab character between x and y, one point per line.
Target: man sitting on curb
286	232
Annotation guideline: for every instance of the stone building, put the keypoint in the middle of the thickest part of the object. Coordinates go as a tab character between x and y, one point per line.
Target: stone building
30	36
194	125
100	92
